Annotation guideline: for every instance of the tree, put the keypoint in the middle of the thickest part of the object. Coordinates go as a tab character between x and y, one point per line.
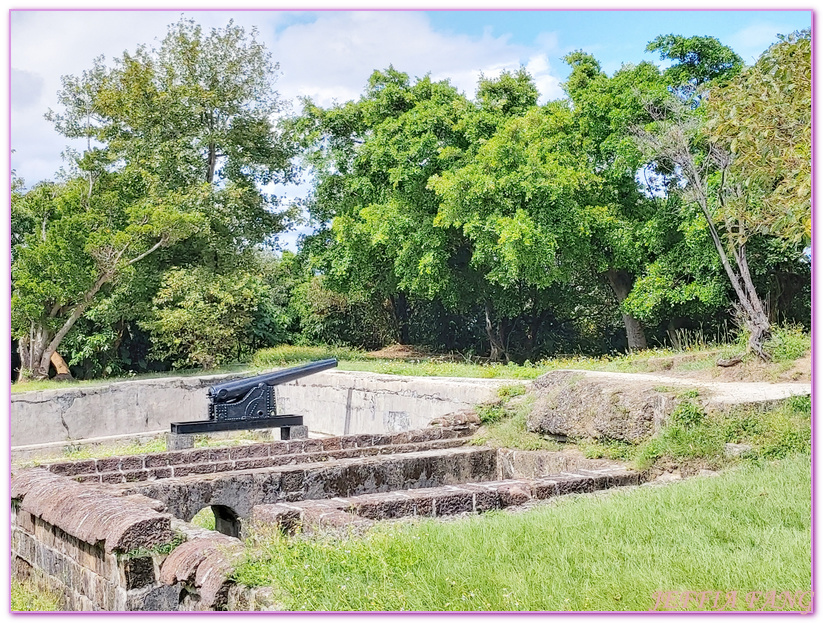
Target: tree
744	158
179	141
82	243
698	60
206	319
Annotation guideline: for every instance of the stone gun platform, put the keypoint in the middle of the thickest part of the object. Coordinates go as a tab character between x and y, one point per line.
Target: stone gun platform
113	533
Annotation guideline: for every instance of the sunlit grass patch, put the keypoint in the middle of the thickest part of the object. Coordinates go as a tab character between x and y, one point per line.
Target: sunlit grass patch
746	530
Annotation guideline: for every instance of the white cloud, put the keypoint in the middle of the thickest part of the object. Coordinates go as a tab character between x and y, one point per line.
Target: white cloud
340	50
328	58
753	40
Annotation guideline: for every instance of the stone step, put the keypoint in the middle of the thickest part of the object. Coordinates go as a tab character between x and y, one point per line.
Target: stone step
241	490
477	497
150	466
155	469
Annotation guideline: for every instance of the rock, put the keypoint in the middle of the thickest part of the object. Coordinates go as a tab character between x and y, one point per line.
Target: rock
466	417
736	449
669	477
571	404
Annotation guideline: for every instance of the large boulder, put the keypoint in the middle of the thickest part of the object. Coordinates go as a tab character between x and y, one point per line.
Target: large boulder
572	404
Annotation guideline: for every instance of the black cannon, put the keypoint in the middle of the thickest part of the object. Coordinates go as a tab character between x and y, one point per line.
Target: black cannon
250	403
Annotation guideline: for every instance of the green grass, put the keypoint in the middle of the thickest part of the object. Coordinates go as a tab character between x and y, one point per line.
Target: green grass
746	530
26	597
786	345
693	436
204	518
287	355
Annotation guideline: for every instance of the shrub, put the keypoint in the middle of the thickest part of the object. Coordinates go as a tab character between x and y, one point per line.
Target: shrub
788	343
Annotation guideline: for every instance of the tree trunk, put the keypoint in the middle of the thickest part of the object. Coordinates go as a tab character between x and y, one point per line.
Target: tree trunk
533	328
621	284
212	163
32	348
496	342
401	313
63	372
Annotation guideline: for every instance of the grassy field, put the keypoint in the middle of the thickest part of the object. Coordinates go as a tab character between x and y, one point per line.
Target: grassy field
745	530
787	345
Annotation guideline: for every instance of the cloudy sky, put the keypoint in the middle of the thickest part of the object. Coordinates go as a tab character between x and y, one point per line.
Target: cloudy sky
329	55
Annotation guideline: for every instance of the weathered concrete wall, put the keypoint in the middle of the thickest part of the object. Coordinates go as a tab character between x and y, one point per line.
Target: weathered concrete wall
333	402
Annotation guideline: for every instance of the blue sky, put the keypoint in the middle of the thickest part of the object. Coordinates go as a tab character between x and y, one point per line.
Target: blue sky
621	36
328	55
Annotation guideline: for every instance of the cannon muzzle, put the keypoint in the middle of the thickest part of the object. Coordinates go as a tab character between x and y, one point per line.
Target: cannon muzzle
224	392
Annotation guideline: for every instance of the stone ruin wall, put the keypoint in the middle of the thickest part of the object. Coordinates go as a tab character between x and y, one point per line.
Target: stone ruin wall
112	533
100	547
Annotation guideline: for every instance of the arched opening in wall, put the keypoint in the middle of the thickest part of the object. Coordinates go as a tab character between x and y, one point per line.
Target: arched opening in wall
220	518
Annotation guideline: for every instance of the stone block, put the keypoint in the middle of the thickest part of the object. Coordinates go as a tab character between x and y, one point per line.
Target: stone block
567	484
453	502
296	432
258	463
153	599
112	478
73	468
514	494
136	572
160	472
219	454
285	516
130	463
278	448
331	443
292	481
223	466
179	441
249	452
485	498
622	478
111	464
137	476
312	445
544	488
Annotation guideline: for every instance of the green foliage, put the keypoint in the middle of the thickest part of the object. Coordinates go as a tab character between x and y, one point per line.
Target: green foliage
330	317
687	414
698	59
655	538
163	549
183	140
26	596
509	391
763	119
204	519
205	319
789	343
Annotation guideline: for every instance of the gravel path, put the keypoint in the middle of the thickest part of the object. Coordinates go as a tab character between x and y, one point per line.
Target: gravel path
719	392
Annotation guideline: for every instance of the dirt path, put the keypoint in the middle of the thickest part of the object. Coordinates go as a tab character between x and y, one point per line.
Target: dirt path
719	392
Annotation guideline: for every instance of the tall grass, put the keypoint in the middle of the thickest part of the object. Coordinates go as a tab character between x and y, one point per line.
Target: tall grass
27	597
746	530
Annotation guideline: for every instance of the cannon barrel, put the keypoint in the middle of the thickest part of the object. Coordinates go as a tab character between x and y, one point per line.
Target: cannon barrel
238	389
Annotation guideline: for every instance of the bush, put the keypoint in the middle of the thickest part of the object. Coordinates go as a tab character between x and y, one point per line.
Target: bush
205	319
788	343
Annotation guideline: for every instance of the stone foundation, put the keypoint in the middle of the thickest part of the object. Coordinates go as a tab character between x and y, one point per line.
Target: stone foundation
112	534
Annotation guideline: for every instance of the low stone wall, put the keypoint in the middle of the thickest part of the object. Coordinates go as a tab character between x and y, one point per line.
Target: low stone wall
102	551
333	402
